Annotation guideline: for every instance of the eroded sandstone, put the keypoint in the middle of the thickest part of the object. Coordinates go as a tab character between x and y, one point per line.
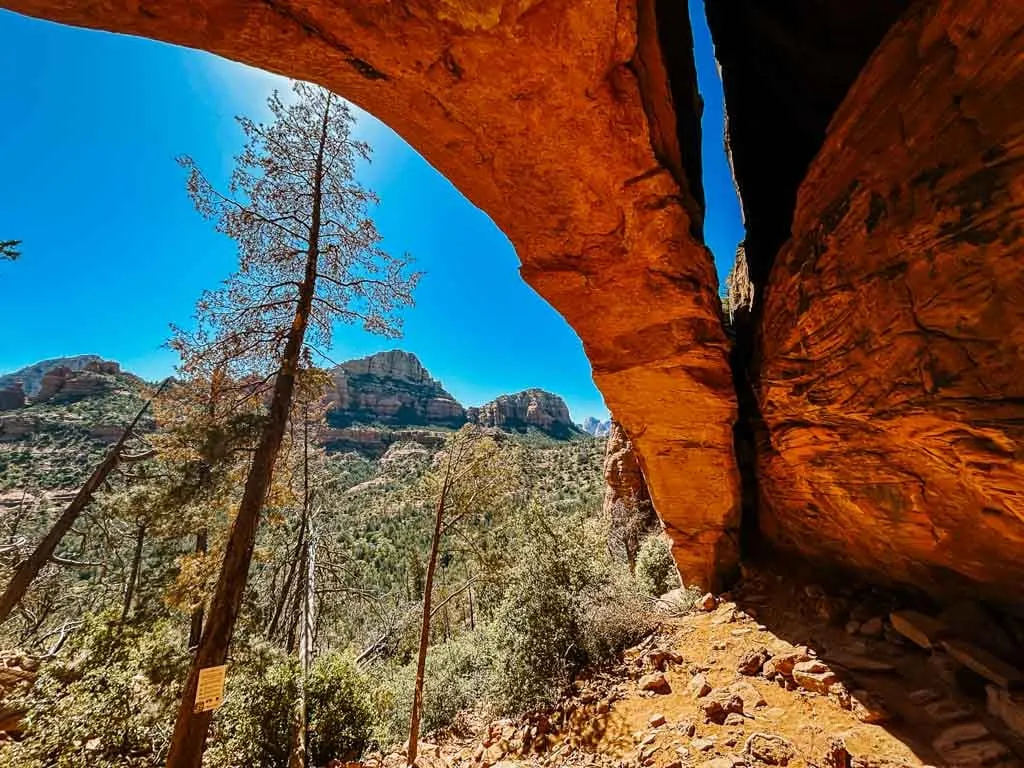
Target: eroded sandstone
886	430
892	375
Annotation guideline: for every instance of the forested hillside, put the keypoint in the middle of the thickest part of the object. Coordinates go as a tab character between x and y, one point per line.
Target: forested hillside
363	559
525	593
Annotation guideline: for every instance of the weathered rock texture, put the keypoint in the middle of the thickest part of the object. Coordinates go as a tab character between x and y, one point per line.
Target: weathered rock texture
570	127
375	442
530	408
65	385
786	66
624	480
390	388
892	374
12	397
30	377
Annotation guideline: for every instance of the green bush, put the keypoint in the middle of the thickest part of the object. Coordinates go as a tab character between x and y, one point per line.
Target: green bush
340	717
566	606
453	681
109	700
655	568
254	726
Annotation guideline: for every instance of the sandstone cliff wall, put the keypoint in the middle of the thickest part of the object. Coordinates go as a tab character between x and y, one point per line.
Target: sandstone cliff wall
880	369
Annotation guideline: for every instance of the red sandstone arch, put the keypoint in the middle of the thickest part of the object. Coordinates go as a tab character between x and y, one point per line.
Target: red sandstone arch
886	350
533	108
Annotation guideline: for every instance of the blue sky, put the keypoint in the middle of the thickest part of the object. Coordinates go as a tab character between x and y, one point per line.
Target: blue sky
113	251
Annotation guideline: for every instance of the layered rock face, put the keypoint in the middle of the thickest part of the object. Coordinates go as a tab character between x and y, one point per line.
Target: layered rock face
523	410
595	427
390	388
12	397
624	480
31	376
892	341
880	369
64	385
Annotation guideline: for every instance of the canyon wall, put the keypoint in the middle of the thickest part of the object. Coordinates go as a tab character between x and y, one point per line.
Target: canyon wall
892	342
876	146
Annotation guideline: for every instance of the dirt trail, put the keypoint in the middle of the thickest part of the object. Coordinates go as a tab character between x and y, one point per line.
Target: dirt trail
775	674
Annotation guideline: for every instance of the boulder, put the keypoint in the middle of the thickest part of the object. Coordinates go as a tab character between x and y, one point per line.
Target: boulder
752	661
656	682
814	676
699	686
1007	706
769	749
872	627
984	663
751	697
717	705
921	630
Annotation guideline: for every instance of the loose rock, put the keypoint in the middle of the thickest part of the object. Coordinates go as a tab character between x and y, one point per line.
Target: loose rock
655	682
813	676
752	661
872	627
699	686
770	749
716	707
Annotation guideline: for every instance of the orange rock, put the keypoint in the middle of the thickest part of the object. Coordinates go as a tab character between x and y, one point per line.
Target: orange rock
892	369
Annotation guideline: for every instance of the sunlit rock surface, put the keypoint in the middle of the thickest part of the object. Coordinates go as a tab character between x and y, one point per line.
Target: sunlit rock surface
892	379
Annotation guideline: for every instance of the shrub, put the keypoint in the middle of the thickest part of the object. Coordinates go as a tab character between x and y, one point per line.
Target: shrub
340	717
566	606
453	682
655	568
254	726
108	701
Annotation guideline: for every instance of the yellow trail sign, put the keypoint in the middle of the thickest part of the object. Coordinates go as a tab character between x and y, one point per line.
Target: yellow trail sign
210	690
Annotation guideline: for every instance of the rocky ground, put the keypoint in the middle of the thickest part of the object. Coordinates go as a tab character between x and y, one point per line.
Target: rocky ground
774	674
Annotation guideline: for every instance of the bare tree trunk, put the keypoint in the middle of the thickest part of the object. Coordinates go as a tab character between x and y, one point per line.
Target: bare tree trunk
469	578
189	738
27	571
421	659
300	751
133	576
195	630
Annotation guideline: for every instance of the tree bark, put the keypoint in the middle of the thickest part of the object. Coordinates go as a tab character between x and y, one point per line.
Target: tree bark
189	738
195	630
133	576
421	659
300	750
27	571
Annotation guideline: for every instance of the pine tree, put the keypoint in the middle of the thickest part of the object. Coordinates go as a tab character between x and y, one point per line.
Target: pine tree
310	257
9	250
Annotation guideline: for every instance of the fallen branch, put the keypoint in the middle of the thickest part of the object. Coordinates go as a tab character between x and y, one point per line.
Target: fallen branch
73	563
